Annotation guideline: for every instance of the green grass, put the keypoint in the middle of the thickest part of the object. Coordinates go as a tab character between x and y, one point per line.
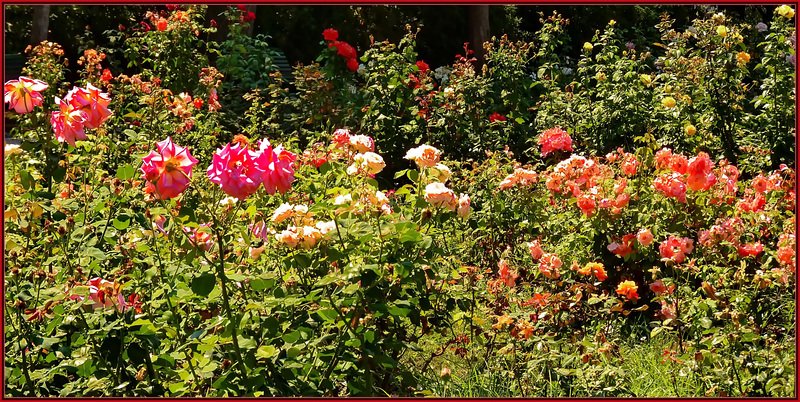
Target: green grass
640	368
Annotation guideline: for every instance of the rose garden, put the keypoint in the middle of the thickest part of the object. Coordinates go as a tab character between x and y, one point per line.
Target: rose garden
620	223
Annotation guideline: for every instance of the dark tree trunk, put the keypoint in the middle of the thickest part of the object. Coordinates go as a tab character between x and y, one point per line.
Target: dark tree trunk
41	22
478	29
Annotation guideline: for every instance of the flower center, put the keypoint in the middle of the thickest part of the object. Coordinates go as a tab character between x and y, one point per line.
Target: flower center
171	165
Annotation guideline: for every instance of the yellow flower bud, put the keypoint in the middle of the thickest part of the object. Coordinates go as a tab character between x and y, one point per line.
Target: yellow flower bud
785	11
601	76
690	129
587	46
646	79
612	23
722	30
668	102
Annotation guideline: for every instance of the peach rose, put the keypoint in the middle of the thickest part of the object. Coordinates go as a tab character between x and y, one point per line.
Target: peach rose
440	196
362	143
424	155
289	237
463	205
645	237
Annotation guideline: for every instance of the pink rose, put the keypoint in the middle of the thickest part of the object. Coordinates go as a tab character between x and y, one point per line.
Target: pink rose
91	101
68	122
277	166
236	170
169	170
23	95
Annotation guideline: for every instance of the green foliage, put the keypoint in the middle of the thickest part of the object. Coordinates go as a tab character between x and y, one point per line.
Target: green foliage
528	271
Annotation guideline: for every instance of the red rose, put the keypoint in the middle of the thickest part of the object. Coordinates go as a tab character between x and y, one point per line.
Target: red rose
250	16
352	64
213	23
242	7
496	117
161	25
345	50
330	34
423	66
106	75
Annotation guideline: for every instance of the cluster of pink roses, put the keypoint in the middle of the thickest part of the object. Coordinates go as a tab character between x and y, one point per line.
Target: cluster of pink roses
625	246
361	150
695	174
728	230
521	177
629	163
238	170
182	106
81	108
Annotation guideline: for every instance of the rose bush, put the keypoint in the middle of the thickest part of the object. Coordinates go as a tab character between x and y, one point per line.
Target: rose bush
386	225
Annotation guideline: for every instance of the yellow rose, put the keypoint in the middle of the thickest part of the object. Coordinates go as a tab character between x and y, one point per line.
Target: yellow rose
600	76
587	46
742	58
646	79
785	11
612	23
668	102
722	30
690	129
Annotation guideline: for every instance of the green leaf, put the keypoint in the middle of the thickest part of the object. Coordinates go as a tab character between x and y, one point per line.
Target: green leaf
293	352
122	222
291	337
303	260
247	343
94	253
261	284
410	236
266	351
203	285
137	353
399	311
360	229
26	179
125	172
